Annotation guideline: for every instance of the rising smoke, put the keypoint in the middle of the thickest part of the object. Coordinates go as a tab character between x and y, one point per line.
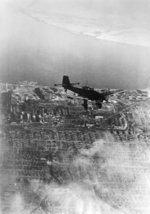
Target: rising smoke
110	177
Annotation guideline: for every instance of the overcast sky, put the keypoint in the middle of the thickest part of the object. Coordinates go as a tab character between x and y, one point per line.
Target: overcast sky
37	51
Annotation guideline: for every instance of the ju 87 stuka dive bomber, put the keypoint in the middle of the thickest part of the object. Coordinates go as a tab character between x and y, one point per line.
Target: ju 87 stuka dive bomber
86	92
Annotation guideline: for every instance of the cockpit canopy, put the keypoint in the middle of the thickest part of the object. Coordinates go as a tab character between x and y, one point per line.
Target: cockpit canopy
88	88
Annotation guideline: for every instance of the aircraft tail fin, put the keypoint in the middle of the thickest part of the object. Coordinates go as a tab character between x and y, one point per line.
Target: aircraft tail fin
66	82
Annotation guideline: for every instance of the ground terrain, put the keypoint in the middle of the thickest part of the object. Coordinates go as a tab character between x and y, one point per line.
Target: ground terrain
56	156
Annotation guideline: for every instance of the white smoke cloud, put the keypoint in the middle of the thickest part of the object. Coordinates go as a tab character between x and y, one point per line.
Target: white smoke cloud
71	199
110	177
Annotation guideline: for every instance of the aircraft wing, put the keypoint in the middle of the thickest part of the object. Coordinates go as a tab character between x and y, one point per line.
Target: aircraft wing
75	97
108	93
79	98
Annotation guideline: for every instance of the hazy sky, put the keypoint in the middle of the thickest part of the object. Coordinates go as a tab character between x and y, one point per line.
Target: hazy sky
37	51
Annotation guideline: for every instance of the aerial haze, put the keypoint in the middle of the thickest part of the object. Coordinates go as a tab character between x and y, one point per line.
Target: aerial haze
66	149
104	43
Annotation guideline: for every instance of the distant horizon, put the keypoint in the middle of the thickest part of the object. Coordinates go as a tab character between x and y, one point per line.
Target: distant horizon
43	49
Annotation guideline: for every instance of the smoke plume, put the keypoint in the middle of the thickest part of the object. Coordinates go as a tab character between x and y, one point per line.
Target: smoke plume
110	177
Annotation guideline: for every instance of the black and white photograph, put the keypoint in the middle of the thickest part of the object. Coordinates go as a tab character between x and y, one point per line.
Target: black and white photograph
75	107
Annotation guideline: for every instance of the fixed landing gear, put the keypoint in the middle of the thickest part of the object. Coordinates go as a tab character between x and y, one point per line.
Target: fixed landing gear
85	104
99	104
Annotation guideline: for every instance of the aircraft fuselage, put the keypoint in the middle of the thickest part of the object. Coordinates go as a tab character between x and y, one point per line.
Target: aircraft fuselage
89	94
